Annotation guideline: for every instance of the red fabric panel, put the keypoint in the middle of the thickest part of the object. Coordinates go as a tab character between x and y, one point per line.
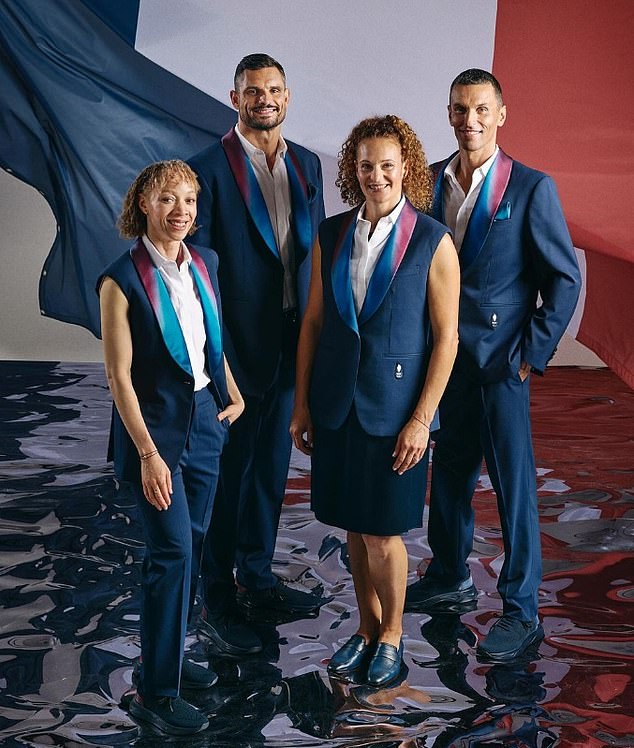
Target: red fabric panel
567	72
607	326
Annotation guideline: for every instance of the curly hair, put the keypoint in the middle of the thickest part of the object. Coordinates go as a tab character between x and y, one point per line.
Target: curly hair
132	222
417	183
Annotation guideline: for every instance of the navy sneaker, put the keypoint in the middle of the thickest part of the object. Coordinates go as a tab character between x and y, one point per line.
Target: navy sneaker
508	638
169	714
229	633
428	594
280	599
194	677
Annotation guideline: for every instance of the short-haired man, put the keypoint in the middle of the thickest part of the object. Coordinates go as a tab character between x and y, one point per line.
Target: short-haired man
514	246
260	205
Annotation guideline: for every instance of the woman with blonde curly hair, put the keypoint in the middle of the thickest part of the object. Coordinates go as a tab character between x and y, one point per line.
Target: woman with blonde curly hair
377	344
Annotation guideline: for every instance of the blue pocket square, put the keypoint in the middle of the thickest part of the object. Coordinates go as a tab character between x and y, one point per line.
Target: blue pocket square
504	212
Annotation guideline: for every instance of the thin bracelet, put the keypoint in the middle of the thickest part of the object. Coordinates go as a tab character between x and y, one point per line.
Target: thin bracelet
416	418
147	455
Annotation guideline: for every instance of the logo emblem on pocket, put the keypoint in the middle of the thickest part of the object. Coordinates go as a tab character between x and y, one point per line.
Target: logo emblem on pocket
398	371
494	320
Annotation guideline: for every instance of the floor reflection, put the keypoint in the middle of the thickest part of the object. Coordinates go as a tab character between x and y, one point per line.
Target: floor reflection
70	552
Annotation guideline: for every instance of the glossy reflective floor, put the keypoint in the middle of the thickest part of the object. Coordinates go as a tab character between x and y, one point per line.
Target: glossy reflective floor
70	554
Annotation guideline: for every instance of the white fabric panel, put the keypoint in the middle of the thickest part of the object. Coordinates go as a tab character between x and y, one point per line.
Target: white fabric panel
344	61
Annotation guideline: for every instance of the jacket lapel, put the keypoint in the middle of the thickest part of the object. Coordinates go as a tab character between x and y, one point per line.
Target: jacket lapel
340	271
438	205
485	208
249	189
211	315
161	304
299	202
389	261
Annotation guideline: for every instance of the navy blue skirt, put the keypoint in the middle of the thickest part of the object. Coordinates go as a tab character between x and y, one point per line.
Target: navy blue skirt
354	487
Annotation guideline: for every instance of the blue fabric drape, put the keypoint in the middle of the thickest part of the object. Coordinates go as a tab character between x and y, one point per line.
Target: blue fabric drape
81	114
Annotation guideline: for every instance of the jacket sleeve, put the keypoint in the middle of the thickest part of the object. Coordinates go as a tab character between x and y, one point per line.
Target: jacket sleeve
556	273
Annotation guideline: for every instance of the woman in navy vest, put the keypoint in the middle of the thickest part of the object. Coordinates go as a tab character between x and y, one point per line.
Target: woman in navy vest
376	348
174	398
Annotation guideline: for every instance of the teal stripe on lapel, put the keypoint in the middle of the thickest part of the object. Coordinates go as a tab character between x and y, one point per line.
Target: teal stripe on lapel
249	189
211	315
299	200
340	271
389	261
485	208
161	304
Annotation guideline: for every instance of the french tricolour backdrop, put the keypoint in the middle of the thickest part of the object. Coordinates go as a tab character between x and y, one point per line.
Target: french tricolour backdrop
94	90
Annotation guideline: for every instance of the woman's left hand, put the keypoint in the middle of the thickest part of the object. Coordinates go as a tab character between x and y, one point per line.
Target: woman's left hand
232	411
410	446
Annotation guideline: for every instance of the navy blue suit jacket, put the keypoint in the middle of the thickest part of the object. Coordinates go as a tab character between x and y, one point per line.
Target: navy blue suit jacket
250	276
521	251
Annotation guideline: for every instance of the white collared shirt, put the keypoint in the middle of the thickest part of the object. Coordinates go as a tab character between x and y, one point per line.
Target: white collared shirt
186	302
367	249
277	196
458	206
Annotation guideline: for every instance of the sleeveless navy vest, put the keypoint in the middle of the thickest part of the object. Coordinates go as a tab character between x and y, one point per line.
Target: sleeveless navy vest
380	367
164	389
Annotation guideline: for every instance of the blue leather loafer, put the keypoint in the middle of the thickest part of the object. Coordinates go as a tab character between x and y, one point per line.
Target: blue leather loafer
385	665
354	653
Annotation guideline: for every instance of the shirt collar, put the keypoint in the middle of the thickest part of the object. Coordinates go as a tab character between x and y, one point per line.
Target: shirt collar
390	218
481	171
160	260
252	150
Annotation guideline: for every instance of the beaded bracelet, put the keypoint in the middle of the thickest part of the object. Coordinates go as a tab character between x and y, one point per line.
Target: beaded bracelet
416	418
147	455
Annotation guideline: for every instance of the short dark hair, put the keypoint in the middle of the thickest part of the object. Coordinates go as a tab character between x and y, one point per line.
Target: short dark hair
256	61
475	77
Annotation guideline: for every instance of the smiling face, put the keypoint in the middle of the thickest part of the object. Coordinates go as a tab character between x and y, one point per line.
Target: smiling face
475	114
170	211
380	170
261	98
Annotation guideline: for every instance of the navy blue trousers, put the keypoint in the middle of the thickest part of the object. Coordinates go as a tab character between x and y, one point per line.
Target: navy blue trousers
490	421
248	503
174	544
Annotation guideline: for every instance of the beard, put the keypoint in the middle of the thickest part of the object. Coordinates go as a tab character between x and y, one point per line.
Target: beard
256	124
